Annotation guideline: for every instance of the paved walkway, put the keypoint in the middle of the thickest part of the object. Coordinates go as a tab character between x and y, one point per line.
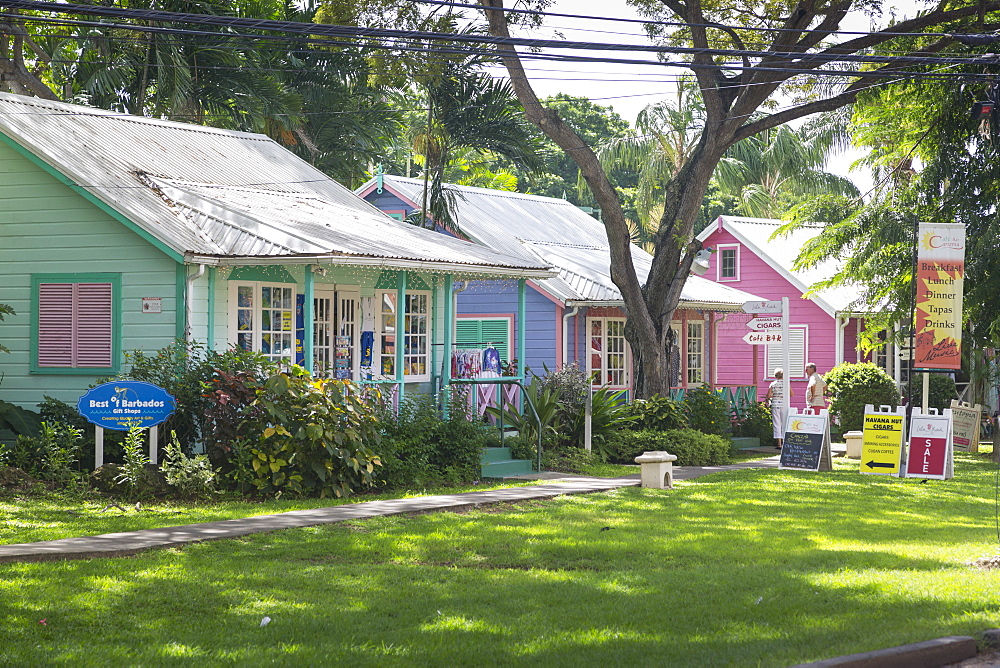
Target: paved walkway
131	542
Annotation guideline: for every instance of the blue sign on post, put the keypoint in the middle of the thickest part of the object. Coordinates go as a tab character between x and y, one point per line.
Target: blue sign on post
125	404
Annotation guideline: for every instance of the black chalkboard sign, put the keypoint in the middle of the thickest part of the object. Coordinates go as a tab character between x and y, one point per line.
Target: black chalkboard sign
807	442
802	451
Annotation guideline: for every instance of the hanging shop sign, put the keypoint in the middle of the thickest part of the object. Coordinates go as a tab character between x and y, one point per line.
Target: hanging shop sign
966	422
807	442
882	440
125	404
929	454
940	281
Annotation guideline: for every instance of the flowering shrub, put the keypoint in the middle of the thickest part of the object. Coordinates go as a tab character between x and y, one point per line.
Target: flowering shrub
707	411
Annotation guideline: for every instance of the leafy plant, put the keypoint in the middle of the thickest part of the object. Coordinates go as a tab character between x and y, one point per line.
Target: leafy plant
132	473
756	423
707	411
569	382
20	421
658	412
608	414
191	476
548	412
316	437
851	386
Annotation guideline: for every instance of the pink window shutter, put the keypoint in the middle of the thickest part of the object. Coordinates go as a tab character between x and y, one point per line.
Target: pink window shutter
75	323
55	324
93	325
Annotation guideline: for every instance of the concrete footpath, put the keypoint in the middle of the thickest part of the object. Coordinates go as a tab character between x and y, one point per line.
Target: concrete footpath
131	542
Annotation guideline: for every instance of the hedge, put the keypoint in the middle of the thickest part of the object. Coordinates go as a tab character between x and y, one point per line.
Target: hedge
692	447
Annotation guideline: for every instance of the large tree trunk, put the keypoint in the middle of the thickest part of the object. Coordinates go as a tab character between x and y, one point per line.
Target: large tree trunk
649	309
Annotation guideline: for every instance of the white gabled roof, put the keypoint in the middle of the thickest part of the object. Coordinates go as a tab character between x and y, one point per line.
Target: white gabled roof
222	196
780	252
560	234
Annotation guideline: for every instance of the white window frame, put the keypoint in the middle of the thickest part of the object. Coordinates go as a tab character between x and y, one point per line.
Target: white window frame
687	354
718	276
382	330
773	357
603	353
256	333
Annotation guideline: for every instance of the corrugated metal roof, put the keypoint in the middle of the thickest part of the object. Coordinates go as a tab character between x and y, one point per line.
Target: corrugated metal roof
208	192
782	250
560	234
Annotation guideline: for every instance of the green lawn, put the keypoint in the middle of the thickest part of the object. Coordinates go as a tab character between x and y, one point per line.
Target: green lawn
750	567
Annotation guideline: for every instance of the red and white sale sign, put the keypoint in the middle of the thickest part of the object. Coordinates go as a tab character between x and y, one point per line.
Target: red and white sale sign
930	446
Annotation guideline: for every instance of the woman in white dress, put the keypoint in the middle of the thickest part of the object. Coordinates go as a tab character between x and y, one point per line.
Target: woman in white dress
775	399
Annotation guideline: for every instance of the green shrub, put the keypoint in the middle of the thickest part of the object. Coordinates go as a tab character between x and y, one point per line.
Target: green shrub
315	437
52	455
658	412
134	474
756	423
692	447
608	414
851	386
940	393
568	382
707	411
419	447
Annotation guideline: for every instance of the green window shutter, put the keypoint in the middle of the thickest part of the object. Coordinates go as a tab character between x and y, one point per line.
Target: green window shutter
475	333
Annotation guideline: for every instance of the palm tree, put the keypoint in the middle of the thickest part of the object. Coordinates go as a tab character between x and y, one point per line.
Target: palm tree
772	171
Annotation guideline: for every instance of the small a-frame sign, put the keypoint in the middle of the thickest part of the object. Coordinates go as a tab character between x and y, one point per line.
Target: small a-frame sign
882	442
966	421
807	441
930	453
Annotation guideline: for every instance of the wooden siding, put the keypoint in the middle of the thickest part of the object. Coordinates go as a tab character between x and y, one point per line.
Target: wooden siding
490	297
738	362
47	228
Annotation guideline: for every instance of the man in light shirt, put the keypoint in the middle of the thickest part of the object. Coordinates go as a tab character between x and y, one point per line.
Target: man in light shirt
816	390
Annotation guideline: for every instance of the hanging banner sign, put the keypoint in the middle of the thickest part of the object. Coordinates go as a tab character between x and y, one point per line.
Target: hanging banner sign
124	404
940	285
807	442
882	442
930	454
966	421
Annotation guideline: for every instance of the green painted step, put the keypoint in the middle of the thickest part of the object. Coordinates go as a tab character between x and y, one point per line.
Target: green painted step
495	455
497	463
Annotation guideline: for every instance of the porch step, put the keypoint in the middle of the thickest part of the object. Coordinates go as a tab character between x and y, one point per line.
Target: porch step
497	463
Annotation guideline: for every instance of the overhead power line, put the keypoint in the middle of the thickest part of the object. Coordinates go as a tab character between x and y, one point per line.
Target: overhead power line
330	30
342	36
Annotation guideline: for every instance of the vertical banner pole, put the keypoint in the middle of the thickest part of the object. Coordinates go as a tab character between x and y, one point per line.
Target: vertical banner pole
786	355
925	399
309	320
400	332
449	338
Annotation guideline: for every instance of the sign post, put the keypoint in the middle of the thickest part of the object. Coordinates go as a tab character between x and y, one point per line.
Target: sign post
772	330
882	443
124	405
807	441
930	453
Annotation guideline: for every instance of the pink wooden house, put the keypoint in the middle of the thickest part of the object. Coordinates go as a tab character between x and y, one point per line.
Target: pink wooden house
823	328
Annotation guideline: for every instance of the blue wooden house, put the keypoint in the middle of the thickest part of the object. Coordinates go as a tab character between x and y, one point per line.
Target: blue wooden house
123	233
576	316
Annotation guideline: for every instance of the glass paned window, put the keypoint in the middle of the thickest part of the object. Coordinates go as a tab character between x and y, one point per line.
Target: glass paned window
728	263
264	319
415	330
608	356
695	370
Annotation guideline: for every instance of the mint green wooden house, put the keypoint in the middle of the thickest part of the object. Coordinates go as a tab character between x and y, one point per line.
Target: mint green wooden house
120	233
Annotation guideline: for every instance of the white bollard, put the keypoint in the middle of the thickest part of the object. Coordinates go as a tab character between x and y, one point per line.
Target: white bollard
657	469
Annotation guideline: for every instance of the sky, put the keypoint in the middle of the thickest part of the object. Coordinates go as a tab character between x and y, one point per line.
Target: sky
628	88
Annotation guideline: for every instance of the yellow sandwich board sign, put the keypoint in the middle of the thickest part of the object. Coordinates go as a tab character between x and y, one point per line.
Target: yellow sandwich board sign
882	440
